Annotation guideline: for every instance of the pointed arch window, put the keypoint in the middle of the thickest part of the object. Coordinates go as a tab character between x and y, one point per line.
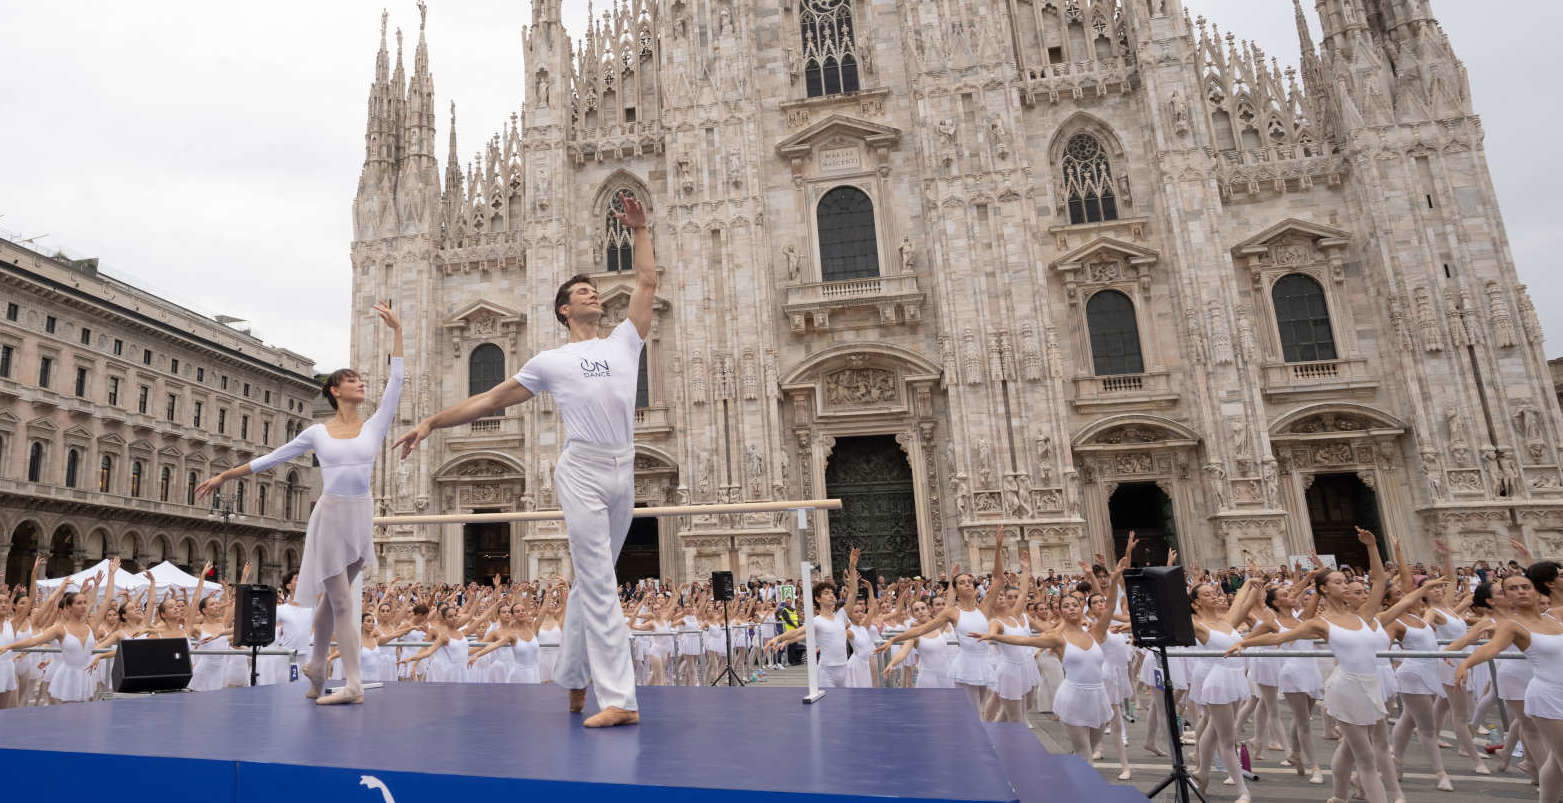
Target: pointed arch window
829	47
485	368
848	246
618	254
1088	181
1115	335
72	466
1303	319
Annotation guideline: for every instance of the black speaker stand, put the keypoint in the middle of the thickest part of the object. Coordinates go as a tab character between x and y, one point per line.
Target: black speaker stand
254	657
1179	778
728	673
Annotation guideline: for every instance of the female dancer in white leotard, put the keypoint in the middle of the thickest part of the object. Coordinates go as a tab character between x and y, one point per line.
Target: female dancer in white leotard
295	623
1417	679
1352	694
934	653
1015	672
448	648
830	627
860	672
520	640
1081	703
8	684
339	541
973	667
550	628
1540	637
1298	680
660	647
71	682
1224	687
1450	626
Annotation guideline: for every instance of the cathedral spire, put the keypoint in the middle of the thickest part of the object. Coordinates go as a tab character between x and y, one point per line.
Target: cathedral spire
452	164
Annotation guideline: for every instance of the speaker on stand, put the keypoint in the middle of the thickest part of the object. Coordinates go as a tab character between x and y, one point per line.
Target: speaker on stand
1159	618
254	621
722	591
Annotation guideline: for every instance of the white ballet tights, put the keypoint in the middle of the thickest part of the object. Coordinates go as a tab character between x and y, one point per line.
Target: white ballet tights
334	616
1417	714
1301	705
1221	735
1356	753
1081	738
1457	703
1550	732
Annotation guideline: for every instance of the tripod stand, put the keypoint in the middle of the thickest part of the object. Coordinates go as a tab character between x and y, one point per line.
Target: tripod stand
1179	776
727	672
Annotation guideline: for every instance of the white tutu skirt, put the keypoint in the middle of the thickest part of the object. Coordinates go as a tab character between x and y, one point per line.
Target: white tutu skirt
1016	677
860	674
1085	705
72	684
929	677
1116	677
972	669
1301	676
1386	682
1224	684
1543	699
1514	676
1354	699
1264	670
439	670
525	674
340	533
374	667
1419	676
209	671
8	679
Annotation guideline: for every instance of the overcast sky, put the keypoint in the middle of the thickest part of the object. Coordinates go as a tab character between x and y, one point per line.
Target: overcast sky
209	152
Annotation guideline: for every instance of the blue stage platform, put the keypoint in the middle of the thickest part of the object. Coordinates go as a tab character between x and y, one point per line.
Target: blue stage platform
426	742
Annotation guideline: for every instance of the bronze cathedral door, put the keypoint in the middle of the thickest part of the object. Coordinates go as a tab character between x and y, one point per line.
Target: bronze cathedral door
878	512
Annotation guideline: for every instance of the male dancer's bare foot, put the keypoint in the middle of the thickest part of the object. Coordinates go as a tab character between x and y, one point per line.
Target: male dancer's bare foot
577	700
611	717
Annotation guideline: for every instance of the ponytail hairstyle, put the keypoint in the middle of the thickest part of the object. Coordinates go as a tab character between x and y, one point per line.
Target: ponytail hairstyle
1270	599
1481	598
334	379
70	596
1542	575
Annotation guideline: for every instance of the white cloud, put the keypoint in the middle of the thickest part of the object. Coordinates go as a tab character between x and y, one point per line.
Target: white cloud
210	152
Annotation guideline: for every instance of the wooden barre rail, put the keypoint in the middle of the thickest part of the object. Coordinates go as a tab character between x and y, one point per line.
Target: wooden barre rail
673	510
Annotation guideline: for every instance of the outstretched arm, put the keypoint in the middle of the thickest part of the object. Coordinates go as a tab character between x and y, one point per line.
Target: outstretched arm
489	402
635	219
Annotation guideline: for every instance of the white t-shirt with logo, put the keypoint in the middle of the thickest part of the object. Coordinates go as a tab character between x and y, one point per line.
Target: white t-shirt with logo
593	382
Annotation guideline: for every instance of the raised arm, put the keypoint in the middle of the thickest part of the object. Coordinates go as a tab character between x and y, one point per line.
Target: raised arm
1243	603
1408	601
107	600
635	219
1100	626
996	585
1311	629
1377	577
849	596
390	399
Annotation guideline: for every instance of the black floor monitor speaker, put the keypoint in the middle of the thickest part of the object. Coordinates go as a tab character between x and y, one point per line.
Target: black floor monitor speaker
722	586
255	617
154	664
1159	612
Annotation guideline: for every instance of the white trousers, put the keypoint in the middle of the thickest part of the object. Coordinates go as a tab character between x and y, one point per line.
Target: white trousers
595	485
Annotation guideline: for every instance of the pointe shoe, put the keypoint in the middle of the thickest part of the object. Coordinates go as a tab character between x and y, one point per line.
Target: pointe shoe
612	717
577	700
342	696
317	682
1444	784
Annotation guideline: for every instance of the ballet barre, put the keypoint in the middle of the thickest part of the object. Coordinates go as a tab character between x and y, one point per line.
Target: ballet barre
640	512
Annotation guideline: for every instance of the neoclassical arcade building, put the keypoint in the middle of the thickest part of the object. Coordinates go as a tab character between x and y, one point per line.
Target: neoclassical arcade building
1072	266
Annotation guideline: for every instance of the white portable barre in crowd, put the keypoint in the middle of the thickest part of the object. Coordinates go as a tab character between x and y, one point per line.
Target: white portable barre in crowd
639	512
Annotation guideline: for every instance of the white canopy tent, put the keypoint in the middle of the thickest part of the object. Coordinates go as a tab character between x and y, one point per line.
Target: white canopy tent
123	580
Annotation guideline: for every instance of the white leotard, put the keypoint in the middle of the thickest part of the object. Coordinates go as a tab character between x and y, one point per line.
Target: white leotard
830	636
345	463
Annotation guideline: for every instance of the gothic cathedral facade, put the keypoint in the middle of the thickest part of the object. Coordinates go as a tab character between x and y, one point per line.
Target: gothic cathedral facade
1073	267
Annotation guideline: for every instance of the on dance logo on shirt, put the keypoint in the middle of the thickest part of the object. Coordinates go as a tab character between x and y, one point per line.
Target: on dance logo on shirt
595	369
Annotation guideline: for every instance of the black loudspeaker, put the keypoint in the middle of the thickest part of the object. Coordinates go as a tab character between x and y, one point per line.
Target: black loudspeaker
1159	612
154	664
255	616
722	586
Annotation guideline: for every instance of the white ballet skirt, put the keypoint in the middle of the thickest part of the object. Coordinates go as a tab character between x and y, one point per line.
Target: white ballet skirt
27	664
860	670
1453	628
1419	675
1301	675
934	657
210	670
1264	671
448	664
525	668
1544	692
688	637
1356	697
293	633
1513	675
71	682
1082	697
1226	679
1118	655
548	657
1016	672
973	663
374	666
8	679
1387	683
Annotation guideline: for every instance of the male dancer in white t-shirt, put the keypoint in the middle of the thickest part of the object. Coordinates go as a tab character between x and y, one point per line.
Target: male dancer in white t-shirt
593	380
